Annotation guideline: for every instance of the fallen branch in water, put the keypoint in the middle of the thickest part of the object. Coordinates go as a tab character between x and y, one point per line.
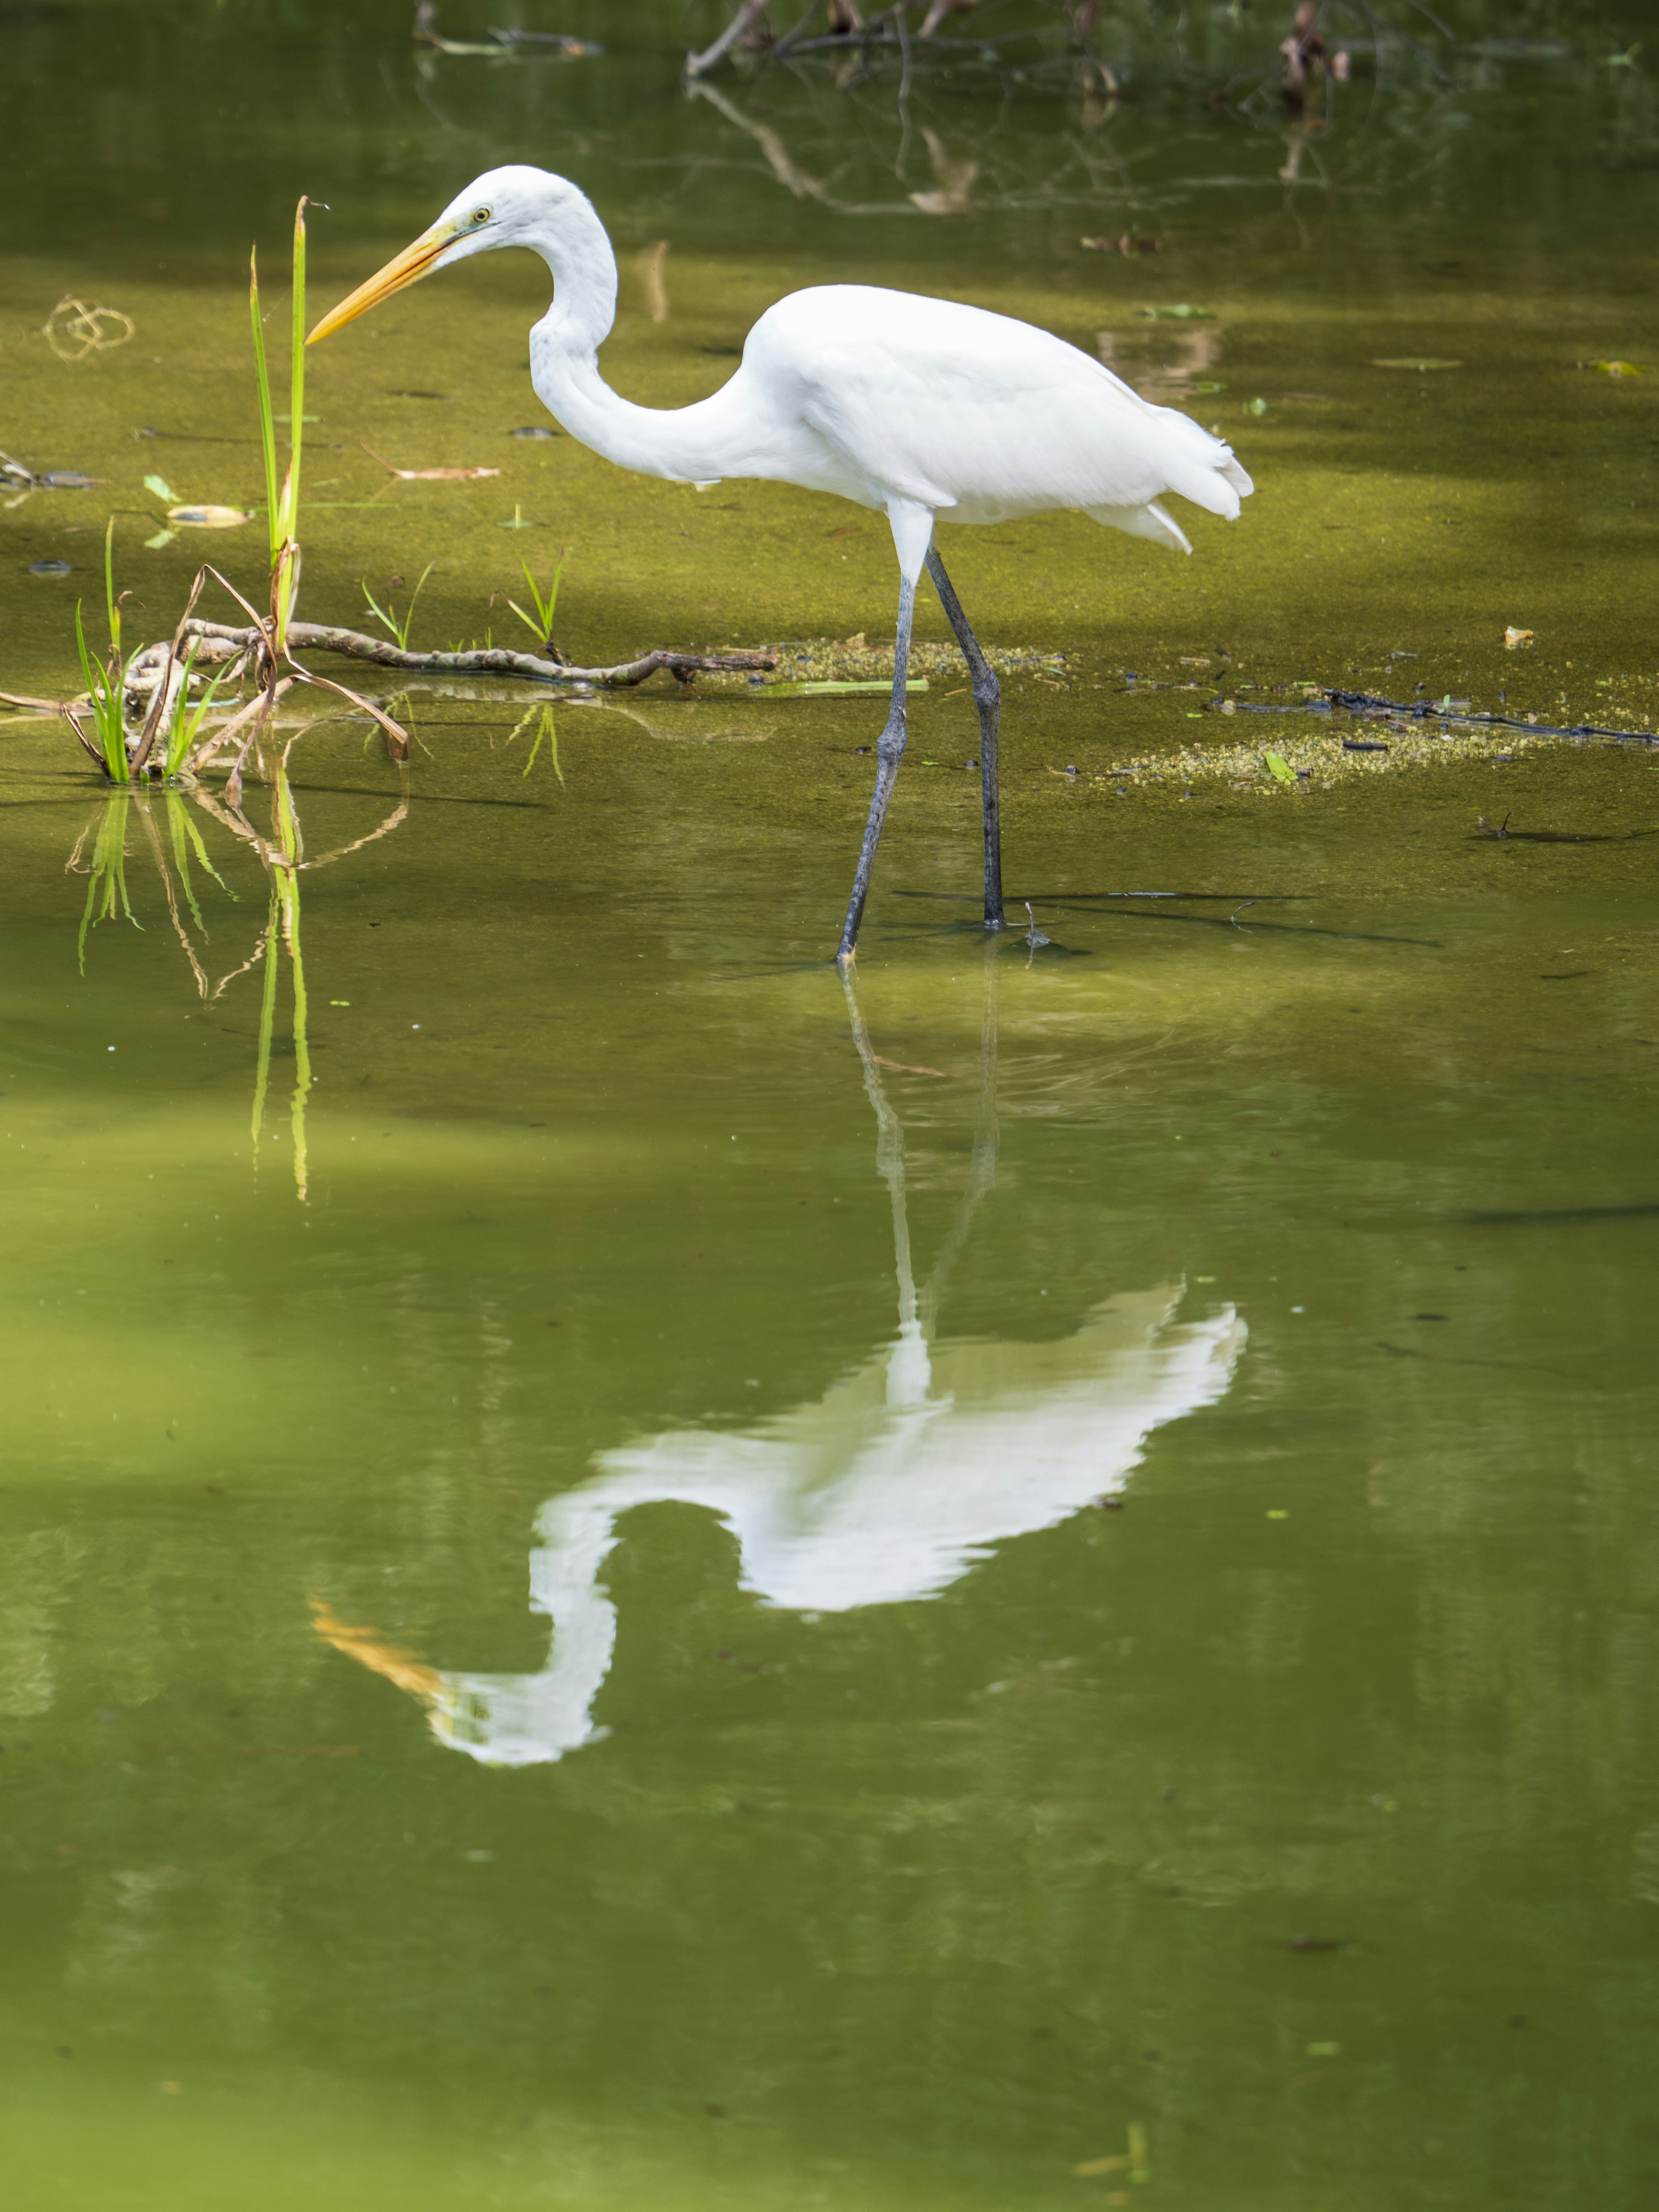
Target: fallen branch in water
1435	710
486	661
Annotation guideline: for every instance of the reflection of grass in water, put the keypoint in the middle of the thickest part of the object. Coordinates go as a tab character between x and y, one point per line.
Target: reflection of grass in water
280	853
187	838
547	731
107	884
397	624
107	892
283	928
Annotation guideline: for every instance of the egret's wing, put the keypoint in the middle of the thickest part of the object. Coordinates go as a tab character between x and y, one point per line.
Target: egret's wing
952	406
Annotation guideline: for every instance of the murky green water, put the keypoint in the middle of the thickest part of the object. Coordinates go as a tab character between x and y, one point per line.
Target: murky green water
628	1582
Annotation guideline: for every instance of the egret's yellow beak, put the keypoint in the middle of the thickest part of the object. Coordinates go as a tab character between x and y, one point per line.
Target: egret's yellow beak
406	268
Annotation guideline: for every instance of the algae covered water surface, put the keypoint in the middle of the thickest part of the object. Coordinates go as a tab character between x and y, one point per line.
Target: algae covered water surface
632	1576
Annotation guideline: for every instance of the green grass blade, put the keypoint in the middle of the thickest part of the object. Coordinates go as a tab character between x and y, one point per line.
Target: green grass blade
106	705
267	421
113	612
296	389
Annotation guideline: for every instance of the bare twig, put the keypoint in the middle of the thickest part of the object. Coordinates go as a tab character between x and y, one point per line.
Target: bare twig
494	661
748	16
174	675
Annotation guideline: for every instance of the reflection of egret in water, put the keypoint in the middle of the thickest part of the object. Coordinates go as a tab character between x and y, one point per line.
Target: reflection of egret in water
282	855
909	1470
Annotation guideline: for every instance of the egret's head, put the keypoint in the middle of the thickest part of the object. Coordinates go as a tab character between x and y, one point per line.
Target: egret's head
504	207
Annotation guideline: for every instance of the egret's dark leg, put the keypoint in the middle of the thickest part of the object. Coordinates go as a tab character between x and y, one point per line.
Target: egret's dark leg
987	697
890	751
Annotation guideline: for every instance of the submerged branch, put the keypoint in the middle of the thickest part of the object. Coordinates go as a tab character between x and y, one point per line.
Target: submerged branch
493	660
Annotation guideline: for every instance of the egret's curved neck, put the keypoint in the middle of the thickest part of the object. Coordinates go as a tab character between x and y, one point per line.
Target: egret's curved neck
574	245
674	442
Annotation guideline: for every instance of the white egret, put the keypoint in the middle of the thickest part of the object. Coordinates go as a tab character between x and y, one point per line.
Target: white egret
922	410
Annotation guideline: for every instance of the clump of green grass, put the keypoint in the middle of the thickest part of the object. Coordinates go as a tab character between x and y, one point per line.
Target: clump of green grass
106	705
540	624
182	731
397	624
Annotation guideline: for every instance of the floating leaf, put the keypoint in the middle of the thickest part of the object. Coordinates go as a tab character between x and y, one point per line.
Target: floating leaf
1418	360
163	489
1281	767
209	518
1512	637
1614	367
1256	406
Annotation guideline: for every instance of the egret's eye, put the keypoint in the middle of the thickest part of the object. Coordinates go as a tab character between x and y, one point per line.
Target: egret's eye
481	215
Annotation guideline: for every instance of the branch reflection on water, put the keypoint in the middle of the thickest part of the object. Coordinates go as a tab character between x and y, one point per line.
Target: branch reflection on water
908	1471
280	853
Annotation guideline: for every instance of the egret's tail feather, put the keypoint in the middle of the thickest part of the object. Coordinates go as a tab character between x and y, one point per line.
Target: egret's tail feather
1152	521
1201	468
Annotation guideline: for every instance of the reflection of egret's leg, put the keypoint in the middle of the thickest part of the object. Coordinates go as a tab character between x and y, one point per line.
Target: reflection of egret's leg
908	1374
982	1171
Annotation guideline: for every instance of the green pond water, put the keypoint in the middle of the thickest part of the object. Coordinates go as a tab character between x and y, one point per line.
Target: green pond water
629	1577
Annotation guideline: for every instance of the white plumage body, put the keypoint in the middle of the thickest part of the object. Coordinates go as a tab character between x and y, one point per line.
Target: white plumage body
891	399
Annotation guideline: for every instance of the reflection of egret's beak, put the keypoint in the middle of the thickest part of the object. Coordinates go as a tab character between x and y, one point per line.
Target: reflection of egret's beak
406	268
363	1645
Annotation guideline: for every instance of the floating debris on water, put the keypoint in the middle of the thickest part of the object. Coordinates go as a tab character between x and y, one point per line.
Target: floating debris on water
1513	637
207	518
429	476
505	44
533	430
816	661
14	475
75	328
1420	362
50	569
